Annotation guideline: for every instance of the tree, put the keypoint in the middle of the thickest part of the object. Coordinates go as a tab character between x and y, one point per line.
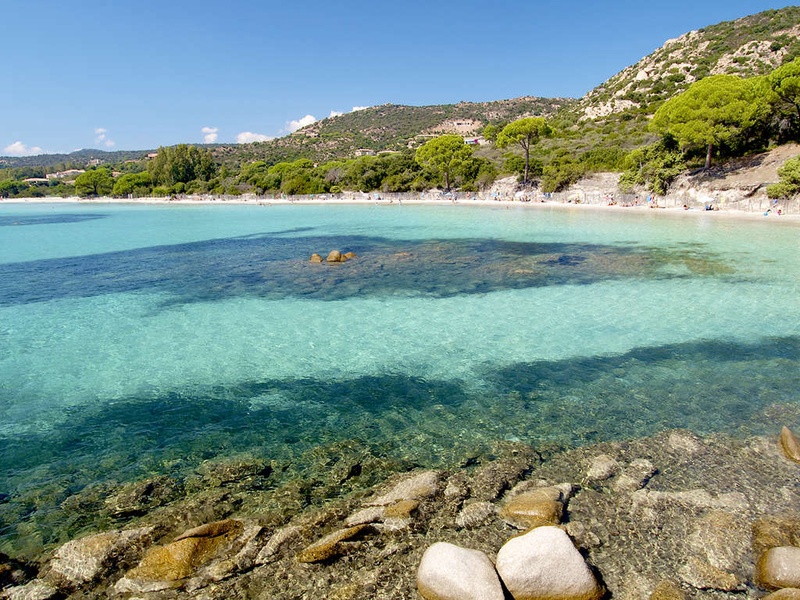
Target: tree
785	83
789	185
181	164
526	133
97	182
133	184
713	111
444	156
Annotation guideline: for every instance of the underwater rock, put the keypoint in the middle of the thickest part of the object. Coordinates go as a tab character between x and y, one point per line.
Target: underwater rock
720	545
315	258
399	515
332	545
35	590
449	572
280	539
779	568
13	572
475	514
139	497
545	564
87	559
635	476
233	561
775	530
164	567
789	444
602	467
237	473
533	508
418	486
667	590
493	478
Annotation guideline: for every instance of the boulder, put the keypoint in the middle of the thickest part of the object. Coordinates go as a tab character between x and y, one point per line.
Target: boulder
349	255
449	572
789	444
779	568
87	559
315	258
334	256
544	565
164	567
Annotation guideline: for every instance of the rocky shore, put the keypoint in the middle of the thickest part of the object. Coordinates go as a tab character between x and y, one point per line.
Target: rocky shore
666	517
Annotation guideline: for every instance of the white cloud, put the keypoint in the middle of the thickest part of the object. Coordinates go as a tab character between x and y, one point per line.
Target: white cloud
20	149
357	108
210	134
293	126
248	137
335	113
102	138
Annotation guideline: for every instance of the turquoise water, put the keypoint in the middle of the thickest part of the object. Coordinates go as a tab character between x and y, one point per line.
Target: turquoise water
141	340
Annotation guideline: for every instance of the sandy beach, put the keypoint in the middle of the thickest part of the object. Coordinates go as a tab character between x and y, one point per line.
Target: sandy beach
420	200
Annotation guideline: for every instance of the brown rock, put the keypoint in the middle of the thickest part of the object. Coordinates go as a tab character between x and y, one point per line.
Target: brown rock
475	514
334	256
531	509
315	258
789	445
719	544
166	566
332	545
349	255
418	486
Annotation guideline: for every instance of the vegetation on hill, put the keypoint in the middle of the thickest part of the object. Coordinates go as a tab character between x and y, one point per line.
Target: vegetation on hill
721	91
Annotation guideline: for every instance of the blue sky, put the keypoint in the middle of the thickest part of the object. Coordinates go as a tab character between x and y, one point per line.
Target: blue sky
124	75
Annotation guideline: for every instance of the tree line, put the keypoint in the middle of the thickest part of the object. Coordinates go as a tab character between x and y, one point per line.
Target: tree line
717	116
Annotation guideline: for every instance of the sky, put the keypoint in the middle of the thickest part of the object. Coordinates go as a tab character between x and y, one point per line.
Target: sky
124	75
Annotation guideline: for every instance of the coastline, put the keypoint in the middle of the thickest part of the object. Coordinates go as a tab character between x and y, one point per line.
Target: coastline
354	200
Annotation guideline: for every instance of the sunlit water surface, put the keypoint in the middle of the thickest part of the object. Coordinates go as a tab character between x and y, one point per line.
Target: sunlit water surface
142	340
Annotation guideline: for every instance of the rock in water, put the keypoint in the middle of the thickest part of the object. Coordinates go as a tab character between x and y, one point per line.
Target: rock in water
789	444
779	568
315	258
544	565
335	256
449	572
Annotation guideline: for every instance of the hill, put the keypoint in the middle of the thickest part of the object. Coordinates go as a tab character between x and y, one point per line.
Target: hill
388	127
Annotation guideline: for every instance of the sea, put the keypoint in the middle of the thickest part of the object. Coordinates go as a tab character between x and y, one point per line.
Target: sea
146	340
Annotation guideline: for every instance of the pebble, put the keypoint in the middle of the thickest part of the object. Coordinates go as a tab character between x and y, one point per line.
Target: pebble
449	572
331	546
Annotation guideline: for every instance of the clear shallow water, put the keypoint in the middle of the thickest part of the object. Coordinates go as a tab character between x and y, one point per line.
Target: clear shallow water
143	340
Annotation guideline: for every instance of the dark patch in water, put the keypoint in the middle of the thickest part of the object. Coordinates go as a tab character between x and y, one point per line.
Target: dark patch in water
275	267
55	219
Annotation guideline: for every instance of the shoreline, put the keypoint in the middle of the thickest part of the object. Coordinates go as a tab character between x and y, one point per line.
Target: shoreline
248	200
